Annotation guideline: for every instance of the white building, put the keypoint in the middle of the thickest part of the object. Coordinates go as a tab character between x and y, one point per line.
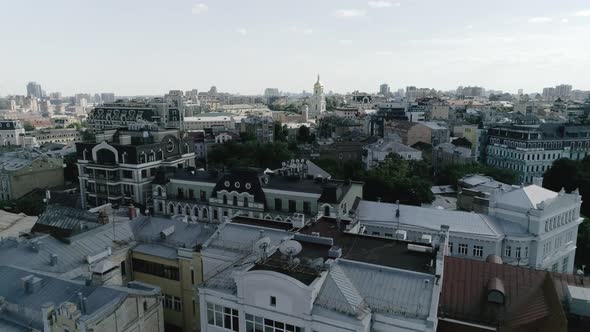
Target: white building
224	121
317	102
529	226
11	132
378	286
375	153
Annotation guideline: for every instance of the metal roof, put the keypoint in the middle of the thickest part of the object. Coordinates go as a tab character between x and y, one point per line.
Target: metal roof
528	197
186	234
370	212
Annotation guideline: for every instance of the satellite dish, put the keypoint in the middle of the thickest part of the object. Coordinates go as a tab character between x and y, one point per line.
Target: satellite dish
290	248
261	246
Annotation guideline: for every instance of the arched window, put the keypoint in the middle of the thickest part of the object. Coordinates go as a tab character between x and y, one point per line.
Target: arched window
179	210
246	201
235	200
205	213
224	199
187	210
159	191
171	208
327	210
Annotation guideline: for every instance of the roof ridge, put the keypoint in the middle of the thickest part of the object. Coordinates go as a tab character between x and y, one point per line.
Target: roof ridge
347	288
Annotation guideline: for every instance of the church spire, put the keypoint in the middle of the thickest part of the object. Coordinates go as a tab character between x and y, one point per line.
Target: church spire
318	78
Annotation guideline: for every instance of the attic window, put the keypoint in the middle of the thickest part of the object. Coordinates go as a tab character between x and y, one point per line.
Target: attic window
273	301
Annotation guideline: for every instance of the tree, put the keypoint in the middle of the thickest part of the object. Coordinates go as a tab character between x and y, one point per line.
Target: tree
280	132
451	174
71	170
303	134
28	126
248	154
87	136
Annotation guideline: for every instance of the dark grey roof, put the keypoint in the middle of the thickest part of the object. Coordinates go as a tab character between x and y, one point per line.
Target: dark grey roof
52	290
64	221
186	235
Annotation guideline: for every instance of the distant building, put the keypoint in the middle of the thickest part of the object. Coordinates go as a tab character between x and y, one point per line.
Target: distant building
24	171
530	150
213	120
159	112
271	92
563	91
11	132
317	102
119	168
44	136
376	152
384	90
449	154
413	132
261	127
411	93
34	90
107	98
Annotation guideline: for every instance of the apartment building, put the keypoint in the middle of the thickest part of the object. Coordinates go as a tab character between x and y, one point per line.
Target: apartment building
121	165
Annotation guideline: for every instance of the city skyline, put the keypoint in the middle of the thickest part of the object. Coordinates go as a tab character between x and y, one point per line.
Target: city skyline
353	44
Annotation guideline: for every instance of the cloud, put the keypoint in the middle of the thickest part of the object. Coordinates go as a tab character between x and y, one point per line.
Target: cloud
583	13
199	8
540	19
384	53
347	13
307	31
469	27
564	20
345	42
242	31
383	4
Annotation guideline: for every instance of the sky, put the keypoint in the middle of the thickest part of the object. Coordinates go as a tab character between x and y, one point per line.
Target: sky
147	47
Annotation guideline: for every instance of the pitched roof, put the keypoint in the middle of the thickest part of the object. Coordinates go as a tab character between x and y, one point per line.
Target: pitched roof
64	221
530	299
528	197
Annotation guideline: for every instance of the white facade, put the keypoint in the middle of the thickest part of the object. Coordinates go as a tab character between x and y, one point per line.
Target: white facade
377	152
317	102
529	226
11	132
213	120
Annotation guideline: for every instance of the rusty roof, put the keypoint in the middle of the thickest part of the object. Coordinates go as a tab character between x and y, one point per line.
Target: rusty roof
531	301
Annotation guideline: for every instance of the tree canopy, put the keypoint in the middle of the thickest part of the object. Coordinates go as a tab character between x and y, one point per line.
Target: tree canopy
451	174
249	154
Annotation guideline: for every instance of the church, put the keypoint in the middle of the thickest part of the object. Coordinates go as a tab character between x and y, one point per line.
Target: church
317	102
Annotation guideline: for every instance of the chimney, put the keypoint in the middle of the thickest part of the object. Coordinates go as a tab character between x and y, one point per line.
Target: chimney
397	210
53	258
81	303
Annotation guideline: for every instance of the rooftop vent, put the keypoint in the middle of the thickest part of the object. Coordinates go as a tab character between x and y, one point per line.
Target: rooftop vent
494	259
31	284
496	292
53	258
166	232
335	252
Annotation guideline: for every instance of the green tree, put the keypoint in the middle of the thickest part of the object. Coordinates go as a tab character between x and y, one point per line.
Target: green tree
280	132
451	174
303	134
87	136
28	126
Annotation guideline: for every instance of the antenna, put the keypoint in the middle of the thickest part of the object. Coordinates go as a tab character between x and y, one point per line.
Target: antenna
290	248
261	246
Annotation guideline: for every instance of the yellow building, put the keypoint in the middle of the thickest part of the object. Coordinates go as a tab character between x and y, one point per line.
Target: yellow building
167	256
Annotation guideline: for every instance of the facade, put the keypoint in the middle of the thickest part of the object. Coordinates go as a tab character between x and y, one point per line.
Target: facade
167	256
11	132
375	153
220	121
531	150
529	226
64	136
40	302
23	171
120	167
286	195
317	102
159	112
261	127
449	154
323	286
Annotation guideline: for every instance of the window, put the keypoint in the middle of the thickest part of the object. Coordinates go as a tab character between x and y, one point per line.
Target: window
463	249
145	306
127	174
123	269
156	269
273	301
191	194
167	302
507	251
235	201
215	214
565	264
376	233
224	199
307	207
246	201
450	247
526	251
192	276
160	207
292	206
260	324
194	307
327	210
478	251
278	204
144	173
177	304
554	267
517	252
203	195
224	317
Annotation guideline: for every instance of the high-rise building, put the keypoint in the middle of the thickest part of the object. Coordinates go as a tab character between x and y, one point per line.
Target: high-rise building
271	92
107	97
563	91
317	102
411	93
55	96
384	89
520	92
548	93
34	90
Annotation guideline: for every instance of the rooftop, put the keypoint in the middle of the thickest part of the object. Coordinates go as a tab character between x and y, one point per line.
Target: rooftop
527	197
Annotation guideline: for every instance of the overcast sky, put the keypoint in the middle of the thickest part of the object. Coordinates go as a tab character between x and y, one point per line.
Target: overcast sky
133	47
